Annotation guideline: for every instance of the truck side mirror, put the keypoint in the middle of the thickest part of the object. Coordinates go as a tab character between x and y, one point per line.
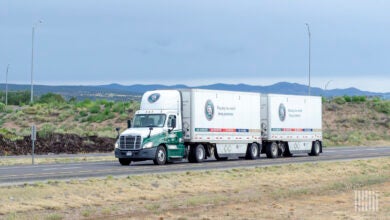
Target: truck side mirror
173	124
117	131
150	131
129	123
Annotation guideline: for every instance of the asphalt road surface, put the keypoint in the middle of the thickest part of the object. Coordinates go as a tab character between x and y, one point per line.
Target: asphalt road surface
10	175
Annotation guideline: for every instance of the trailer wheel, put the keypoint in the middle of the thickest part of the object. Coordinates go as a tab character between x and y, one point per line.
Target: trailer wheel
124	161
287	152
161	156
315	149
217	156
252	151
197	154
282	149
272	150
200	153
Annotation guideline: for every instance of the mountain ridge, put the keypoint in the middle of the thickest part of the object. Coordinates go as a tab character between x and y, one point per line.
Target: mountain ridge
139	89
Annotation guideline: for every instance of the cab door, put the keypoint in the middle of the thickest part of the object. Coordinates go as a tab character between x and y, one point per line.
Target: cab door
174	142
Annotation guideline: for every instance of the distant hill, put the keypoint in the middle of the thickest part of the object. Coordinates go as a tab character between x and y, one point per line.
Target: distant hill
117	91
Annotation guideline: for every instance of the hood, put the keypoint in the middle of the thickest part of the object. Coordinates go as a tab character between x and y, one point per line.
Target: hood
144	132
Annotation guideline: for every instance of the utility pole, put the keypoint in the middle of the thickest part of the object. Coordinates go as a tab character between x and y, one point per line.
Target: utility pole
308	32
32	59
6	86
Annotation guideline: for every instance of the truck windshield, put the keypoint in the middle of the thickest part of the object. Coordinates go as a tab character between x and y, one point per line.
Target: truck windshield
149	120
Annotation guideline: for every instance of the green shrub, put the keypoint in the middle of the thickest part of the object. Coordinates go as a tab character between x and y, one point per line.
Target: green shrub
118	107
358	99
16	97
96	118
51	98
339	100
347	98
46	130
30	110
383	107
72	100
109	104
2	107
84	104
83	113
94	109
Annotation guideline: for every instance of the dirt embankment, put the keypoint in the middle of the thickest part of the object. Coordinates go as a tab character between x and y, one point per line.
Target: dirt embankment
57	143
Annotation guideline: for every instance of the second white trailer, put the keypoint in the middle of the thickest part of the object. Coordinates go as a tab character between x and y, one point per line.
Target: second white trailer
291	124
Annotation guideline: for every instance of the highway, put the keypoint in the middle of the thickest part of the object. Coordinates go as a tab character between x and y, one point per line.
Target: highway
12	175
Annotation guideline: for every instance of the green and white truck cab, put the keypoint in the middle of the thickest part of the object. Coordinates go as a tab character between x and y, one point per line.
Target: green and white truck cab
156	132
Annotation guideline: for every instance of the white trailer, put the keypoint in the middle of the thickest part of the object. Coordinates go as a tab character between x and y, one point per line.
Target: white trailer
291	124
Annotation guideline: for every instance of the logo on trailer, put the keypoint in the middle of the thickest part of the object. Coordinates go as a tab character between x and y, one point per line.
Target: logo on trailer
153	97
209	110
282	112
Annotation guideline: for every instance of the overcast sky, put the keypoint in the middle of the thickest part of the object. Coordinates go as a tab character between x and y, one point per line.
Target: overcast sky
197	42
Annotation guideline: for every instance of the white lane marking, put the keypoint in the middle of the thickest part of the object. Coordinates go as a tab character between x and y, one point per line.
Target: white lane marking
61	168
7	167
367	149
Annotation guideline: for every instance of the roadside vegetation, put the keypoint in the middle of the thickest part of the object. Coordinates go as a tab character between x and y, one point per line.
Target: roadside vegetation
51	113
323	190
357	121
347	120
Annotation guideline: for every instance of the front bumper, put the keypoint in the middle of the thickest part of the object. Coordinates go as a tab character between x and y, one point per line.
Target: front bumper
137	155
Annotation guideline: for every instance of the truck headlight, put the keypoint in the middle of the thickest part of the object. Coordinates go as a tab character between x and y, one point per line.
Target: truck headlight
148	145
117	144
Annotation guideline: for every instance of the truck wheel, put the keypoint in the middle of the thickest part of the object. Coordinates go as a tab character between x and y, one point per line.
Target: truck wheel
287	152
197	154
282	149
272	150
252	151
315	149
161	156
217	156
124	161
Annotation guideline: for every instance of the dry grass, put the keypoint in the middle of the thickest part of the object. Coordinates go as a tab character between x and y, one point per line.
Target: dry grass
304	191
355	124
8	161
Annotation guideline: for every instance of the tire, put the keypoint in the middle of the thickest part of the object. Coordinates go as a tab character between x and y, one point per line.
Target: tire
272	150
252	151
281	149
197	154
217	157
315	149
161	156
287	152
124	161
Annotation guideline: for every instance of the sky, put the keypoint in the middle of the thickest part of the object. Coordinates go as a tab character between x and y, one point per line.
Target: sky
257	42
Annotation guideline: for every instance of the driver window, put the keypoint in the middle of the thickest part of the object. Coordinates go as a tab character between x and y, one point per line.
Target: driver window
171	118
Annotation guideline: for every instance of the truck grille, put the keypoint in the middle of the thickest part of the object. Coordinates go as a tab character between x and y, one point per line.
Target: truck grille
130	142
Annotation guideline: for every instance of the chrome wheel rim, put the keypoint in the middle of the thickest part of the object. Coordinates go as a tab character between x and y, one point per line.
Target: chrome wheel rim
161	155
274	149
254	150
200	153
317	147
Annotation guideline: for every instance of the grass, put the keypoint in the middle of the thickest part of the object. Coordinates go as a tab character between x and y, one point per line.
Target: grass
293	190
83	118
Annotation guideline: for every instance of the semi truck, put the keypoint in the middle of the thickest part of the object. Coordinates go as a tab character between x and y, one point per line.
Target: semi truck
196	124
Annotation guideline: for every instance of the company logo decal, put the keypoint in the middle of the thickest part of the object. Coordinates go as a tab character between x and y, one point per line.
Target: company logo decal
153	97
209	110
282	112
